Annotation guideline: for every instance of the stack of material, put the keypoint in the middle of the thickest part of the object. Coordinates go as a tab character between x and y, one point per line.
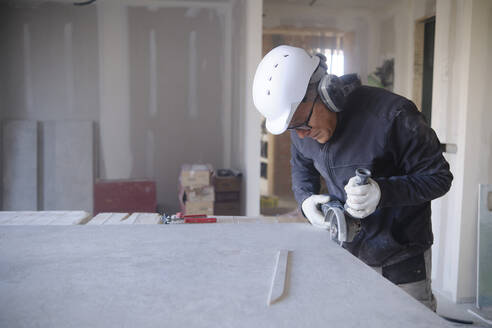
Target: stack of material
125	218
44	217
227	192
196	192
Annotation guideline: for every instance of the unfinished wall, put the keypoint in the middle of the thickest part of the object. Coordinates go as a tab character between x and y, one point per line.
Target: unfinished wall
49	72
187	89
176	57
49	67
157	78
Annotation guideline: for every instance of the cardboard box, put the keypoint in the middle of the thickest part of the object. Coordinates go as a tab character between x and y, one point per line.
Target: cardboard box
227	208
202	194
199	208
227	183
227	196
195	175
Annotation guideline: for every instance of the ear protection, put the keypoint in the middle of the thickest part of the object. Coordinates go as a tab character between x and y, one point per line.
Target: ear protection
334	90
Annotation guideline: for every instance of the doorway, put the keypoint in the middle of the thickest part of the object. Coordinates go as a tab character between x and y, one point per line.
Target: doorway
276	193
424	65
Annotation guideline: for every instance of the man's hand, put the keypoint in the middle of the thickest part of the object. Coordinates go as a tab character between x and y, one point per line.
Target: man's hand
362	200
311	207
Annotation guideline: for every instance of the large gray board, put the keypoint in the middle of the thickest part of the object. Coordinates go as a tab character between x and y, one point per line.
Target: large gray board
208	275
68	165
19	169
484	286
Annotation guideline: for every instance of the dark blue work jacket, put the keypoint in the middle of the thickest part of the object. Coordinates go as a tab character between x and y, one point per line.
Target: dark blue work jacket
385	133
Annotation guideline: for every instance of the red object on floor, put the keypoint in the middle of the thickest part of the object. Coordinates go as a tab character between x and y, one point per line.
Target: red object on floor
200	220
195	216
126	196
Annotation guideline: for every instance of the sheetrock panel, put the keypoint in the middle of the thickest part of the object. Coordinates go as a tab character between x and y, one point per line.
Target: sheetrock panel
196	275
68	165
484	286
143	218
147	218
43	217
108	218
19	168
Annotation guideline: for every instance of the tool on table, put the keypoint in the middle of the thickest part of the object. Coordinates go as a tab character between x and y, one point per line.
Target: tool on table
168	219
198	219
344	227
179	218
280	275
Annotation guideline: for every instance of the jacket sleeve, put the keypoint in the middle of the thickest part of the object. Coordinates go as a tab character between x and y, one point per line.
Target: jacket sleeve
305	177
416	150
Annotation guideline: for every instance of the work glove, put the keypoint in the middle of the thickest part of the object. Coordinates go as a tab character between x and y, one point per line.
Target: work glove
311	207
362	200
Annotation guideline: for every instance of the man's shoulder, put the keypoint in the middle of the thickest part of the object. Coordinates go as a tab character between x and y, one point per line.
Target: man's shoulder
379	102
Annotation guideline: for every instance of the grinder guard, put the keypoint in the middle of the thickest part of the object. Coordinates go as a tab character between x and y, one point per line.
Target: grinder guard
343	227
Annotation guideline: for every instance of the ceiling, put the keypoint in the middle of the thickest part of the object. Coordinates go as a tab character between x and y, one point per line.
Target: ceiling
360	4
347	4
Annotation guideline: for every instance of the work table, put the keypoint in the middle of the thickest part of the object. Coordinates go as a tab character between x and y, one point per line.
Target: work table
192	275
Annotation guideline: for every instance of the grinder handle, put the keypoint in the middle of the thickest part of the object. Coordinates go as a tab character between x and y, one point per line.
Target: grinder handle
325	208
363	176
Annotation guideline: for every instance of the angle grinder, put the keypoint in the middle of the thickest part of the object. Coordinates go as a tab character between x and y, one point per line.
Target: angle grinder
343	226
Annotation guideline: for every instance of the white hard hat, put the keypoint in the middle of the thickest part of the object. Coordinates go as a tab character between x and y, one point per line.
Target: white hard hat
280	83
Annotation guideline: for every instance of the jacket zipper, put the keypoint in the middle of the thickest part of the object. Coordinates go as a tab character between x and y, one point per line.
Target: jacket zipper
326	159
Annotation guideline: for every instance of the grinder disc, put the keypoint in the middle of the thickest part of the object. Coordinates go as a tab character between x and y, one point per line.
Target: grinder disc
338	228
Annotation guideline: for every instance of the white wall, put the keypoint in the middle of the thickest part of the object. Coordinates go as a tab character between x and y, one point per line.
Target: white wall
478	144
247	55
116	159
49	66
459	114
449	112
462	115
403	15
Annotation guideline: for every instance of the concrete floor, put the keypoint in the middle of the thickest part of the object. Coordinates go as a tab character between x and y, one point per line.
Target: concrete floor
458	311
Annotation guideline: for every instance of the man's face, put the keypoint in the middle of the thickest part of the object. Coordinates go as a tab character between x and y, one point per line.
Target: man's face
314	120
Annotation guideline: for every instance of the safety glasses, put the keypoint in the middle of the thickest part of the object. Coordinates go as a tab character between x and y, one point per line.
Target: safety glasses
299	113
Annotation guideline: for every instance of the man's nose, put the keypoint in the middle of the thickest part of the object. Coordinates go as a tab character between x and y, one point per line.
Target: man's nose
302	133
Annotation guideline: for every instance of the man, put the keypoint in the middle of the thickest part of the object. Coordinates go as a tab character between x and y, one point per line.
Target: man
337	126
